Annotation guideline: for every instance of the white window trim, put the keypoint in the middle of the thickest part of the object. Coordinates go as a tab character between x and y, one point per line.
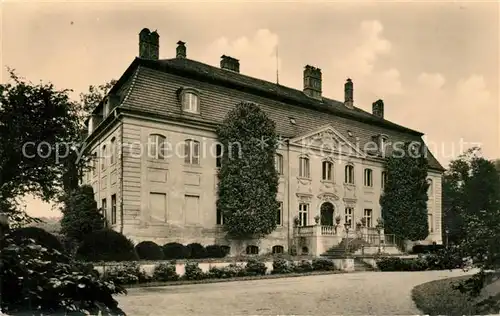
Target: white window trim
190	100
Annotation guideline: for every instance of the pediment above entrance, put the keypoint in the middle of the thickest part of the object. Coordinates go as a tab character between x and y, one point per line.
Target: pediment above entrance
328	197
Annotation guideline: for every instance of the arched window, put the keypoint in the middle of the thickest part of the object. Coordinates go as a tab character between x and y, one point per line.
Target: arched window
305	250
278	163
252	250
278	249
190	101
112	158
304	167
368	178
192	152
104	155
157	144
349	174
327	170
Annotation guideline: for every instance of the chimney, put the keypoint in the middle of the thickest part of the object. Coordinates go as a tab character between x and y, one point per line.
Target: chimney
312	82
348	94
378	108
181	50
149	44
229	63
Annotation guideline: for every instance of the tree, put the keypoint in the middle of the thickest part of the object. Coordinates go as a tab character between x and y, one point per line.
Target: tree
80	214
404	200
248	179
37	124
95	94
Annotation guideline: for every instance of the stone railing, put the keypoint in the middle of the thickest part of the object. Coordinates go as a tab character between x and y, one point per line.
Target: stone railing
328	230
306	230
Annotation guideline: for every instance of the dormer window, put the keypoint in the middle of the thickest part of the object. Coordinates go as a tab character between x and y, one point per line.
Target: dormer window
190	101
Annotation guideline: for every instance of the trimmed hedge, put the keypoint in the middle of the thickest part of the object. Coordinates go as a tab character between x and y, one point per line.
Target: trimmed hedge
106	245
174	250
216	251
196	251
148	250
39	235
442	260
420	249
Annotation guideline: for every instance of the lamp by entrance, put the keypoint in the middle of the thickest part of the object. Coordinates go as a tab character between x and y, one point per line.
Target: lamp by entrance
327	209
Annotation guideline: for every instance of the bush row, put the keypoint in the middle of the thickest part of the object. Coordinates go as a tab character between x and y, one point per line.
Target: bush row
130	273
419	249
109	245
442	260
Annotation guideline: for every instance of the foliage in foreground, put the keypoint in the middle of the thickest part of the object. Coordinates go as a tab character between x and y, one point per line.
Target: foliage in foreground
39	235
39	279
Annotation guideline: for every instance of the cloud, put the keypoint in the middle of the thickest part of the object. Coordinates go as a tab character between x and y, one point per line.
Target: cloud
257	53
432	81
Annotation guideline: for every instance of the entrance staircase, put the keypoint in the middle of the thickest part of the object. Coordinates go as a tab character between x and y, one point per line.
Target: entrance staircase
339	251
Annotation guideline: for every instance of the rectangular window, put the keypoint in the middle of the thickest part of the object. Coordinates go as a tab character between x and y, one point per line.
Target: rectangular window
278	163
218	156
368	178
431	222
192	209
158	206
93	169
384	179
368	217
113	209
279	214
303	167
327	171
113	151
104	155
348	216
220	217
303	214
103	209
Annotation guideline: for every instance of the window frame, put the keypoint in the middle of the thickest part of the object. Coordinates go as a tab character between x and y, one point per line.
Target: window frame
219	215
383	179
349	174
303	214
368	218
349	216
278	163
103	157
113	209
368	178
156	146
304	167
189	148
329	170
112	157
190	101
279	214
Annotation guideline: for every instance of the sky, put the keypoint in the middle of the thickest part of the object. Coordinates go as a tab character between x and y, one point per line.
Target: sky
435	64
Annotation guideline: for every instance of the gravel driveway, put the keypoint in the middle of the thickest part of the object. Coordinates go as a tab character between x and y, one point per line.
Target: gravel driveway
367	293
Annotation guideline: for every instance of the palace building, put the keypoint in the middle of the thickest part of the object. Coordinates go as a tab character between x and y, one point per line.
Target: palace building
156	156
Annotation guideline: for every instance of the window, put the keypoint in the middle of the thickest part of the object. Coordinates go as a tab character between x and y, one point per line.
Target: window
190	102
305	250
158	206
303	214
103	157
112	158
278	249
220	217
192	152
93	170
383	179
278	163
304	167
348	216
368	217
218	155
156	144
252	250
368	178
327	167
349	174
431	223
279	214
431	189
103	209
113	209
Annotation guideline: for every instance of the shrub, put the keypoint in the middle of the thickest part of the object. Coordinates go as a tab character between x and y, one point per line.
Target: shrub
255	267
230	271
444	259
127	273
148	250
196	251
419	249
215	251
398	264
175	250
165	272
281	266
322	264
302	266
106	245
40	236
50	282
193	271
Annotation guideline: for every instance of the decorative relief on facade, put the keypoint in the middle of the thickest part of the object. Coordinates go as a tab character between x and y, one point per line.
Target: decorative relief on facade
328	197
349	191
304	198
304	185
191	178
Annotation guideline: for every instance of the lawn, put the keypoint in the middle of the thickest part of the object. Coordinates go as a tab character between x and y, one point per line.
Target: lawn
439	298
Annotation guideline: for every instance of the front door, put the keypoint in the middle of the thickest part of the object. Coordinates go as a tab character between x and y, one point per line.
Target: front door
327	211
